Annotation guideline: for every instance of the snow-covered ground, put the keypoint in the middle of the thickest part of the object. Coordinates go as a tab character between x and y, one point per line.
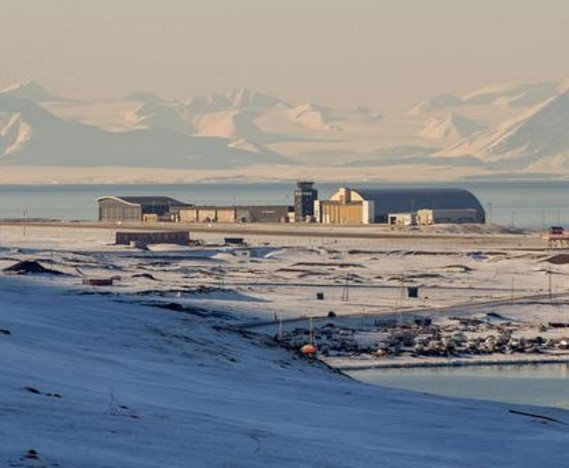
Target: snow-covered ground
155	371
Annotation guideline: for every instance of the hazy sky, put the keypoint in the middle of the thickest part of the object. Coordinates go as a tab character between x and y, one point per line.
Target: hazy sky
381	53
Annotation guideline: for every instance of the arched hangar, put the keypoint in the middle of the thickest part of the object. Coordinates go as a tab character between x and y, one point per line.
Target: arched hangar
372	205
136	209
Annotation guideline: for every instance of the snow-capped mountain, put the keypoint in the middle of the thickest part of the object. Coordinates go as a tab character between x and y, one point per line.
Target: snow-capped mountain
512	94
233	124
451	126
512	127
236	99
436	103
32	91
159	114
33	136
315	117
539	135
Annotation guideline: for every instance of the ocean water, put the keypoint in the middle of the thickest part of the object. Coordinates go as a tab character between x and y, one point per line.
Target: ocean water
527	204
535	384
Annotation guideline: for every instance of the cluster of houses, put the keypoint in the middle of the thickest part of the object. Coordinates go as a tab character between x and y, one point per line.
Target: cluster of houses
422	338
347	206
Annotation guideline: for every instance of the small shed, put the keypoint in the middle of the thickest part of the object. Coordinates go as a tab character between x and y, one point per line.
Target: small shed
402	219
234	241
98	281
413	292
142	238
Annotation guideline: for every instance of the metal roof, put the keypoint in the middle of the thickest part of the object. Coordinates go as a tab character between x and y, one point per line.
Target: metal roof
405	200
145	200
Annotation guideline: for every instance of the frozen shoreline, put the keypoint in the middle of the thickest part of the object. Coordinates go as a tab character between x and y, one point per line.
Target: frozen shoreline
347	364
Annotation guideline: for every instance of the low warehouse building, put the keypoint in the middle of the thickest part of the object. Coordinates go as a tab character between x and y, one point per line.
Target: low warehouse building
207	214
234	214
264	214
129	209
143	238
426	217
365	206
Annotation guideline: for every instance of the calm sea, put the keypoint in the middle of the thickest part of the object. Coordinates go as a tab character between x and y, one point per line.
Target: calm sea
528	204
541	384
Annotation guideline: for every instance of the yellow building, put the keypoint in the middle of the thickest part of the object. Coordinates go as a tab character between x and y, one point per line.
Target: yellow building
346	206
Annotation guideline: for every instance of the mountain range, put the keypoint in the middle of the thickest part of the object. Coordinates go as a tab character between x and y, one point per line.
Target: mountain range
506	128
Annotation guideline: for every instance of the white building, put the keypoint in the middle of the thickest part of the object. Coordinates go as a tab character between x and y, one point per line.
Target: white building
467	215
402	219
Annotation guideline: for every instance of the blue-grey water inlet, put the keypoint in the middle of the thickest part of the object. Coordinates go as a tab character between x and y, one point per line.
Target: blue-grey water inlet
540	384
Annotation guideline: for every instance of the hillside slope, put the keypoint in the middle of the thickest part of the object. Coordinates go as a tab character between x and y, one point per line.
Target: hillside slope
88	381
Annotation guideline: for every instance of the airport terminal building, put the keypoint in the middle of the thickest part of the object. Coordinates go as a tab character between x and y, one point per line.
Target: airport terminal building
349	206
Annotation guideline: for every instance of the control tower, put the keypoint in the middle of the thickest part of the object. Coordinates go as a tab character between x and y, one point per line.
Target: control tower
304	197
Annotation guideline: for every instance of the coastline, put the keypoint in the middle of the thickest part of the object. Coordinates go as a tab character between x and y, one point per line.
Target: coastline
353	365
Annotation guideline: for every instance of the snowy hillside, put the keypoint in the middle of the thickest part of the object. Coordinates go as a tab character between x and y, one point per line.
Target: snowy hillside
32	91
233	124
539	138
152	112
157	373
315	117
436	103
451	126
239	99
512	94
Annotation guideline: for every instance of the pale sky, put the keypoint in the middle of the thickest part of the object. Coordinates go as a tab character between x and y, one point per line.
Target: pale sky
385	54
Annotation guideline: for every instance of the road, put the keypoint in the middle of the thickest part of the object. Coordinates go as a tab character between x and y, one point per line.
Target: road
306	230
460	308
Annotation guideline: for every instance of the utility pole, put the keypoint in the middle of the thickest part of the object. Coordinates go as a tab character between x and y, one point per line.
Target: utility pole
280	327
311	331
346	290
399	298
550	282
25	222
513	289
220	273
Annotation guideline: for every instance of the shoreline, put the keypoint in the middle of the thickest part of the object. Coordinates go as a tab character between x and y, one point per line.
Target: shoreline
458	362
